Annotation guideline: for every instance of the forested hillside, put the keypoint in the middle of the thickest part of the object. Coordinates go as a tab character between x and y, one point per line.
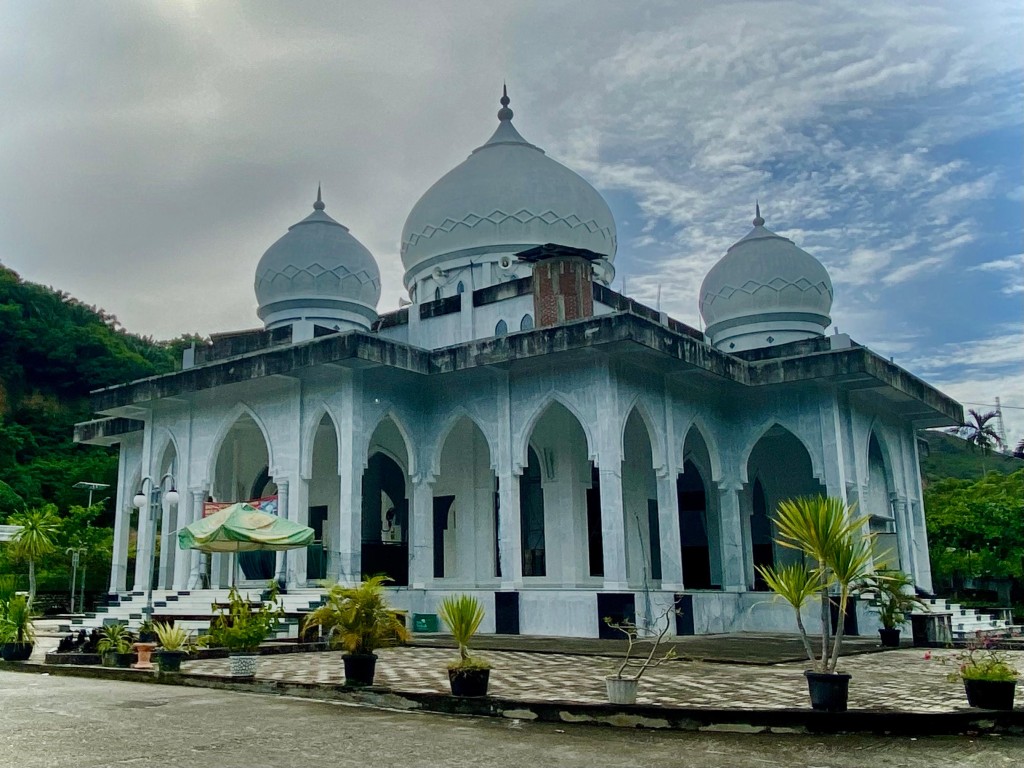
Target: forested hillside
53	351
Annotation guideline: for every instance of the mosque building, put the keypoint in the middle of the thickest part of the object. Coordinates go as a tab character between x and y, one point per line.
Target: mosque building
520	431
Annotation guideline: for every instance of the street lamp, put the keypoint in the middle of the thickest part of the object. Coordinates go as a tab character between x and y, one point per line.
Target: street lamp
90	487
156	492
76	554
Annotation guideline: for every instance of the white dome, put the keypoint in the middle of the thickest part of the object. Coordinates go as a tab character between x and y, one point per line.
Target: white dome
507	196
765	291
318	272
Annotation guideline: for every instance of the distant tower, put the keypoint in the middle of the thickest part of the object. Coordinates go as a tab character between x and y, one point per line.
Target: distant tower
1001	428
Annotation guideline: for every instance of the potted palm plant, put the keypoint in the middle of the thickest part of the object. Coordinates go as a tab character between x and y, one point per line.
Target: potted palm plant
115	645
894	598
836	556
358	620
469	675
241	627
990	679
17	636
622	686
175	644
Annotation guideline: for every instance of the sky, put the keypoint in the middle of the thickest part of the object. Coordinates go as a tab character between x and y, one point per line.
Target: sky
151	152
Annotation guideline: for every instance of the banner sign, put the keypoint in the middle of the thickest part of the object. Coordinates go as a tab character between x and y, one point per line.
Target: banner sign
267	504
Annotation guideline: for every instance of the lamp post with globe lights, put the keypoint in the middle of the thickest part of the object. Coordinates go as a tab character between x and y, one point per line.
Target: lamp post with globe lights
154	498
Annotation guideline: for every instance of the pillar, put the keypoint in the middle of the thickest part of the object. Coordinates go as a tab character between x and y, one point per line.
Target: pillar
668	526
122	525
421	534
734	535
613	531
510	536
196	559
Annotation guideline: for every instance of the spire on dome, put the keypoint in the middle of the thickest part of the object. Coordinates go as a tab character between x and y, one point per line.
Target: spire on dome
319	204
758	221
504	113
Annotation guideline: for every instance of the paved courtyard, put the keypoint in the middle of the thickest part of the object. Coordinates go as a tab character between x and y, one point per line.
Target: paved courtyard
900	680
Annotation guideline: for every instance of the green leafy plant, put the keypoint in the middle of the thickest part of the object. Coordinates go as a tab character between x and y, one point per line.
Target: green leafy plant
34	539
836	557
114	638
893	595
243	626
175	638
632	667
358	618
981	659
463	614
16	620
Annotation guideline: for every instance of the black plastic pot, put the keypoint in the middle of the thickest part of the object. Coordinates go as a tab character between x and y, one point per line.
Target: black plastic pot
148	637
829	690
169	661
15	651
890	638
469	682
990	694
359	668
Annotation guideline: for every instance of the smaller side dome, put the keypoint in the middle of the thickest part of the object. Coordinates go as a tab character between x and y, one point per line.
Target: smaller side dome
318	272
765	291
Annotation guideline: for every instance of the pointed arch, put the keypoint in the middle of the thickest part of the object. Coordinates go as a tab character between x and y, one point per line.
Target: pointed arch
309	438
708	436
876	431
390	414
454	417
521	456
165	440
654	435
239	410
763	429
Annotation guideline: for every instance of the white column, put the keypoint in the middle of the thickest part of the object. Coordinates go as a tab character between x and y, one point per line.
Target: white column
510	537
613	531
196	559
284	567
144	536
735	531
421	533
122	524
668	528
346	562
182	557
166	552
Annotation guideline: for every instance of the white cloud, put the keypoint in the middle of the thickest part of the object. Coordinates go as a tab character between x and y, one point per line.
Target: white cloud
1010	268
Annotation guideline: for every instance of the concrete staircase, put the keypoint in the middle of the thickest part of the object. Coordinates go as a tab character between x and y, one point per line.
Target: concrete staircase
968	622
191	609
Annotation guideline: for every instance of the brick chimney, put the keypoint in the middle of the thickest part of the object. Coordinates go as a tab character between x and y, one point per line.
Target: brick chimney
563	283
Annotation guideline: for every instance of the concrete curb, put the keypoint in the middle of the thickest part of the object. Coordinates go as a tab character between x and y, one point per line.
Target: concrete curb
967	722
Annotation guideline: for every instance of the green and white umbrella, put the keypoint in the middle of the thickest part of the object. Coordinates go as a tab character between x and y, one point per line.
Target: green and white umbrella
242	528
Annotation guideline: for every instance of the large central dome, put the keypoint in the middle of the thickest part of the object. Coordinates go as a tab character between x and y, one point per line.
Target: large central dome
505	197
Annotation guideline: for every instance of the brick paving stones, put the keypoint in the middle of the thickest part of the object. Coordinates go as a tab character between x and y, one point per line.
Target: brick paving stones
900	680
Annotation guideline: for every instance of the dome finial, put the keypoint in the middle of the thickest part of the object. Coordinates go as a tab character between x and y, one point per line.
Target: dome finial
504	113
758	221
319	204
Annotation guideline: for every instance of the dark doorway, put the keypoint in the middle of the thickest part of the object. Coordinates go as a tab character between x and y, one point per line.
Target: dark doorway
385	521
693	532
595	541
531	517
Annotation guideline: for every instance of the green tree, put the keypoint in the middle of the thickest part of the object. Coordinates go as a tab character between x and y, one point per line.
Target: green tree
10	502
976	528
35	539
978	431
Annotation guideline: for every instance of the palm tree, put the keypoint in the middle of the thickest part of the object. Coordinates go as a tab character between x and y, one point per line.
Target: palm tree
979	432
35	539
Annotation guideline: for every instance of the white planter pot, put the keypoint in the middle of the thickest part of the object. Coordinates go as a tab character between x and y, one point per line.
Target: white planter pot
243	664
621	690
